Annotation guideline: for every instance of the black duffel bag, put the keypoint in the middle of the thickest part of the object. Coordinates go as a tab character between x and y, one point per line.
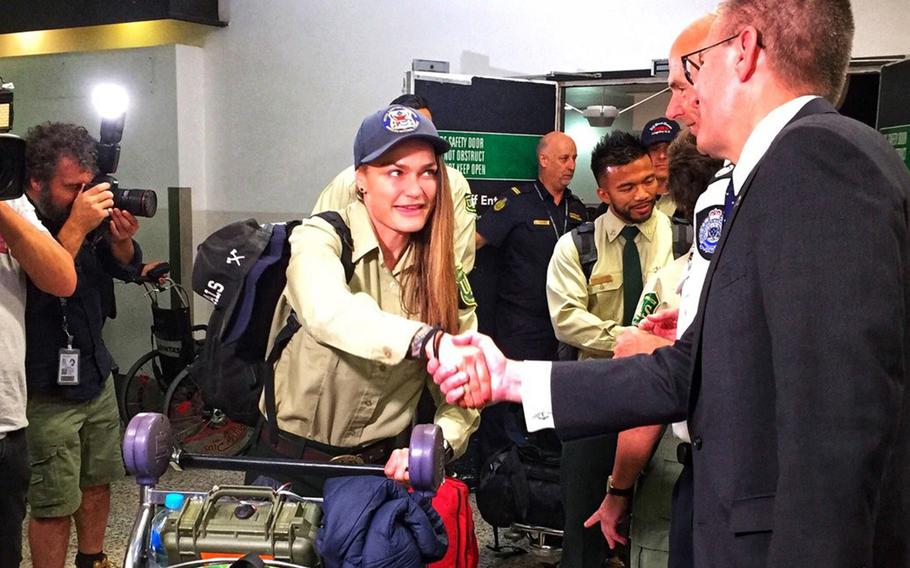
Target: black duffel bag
520	484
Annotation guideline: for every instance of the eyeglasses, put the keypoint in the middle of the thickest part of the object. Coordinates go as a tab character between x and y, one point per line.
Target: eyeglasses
688	64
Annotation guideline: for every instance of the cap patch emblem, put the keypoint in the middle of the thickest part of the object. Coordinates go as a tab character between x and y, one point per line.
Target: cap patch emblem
400	120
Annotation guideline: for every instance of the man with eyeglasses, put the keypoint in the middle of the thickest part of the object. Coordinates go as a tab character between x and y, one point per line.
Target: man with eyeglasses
656	542
795	392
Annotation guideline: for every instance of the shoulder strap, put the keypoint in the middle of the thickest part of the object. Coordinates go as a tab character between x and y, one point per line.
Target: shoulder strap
268	381
583	237
293	324
347	241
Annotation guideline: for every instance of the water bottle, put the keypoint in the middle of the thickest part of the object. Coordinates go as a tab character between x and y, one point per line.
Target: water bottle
157	554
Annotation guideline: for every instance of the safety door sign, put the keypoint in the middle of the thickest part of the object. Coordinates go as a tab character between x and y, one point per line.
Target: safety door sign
493	155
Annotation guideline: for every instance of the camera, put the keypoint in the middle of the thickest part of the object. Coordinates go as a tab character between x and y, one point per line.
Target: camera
12	166
139	202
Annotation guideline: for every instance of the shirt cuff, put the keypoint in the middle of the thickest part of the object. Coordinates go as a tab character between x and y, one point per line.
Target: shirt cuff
535	395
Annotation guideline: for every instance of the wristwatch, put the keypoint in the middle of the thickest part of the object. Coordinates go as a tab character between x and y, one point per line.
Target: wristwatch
613	490
418	343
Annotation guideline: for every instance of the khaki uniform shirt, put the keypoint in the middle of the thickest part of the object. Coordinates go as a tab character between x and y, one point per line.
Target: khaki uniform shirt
342	191
343	379
588	313
661	291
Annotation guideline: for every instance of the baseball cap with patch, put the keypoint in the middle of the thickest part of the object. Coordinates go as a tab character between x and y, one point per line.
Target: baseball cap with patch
390	126
659	130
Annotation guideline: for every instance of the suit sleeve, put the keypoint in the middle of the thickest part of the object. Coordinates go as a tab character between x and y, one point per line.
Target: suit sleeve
833	283
600	396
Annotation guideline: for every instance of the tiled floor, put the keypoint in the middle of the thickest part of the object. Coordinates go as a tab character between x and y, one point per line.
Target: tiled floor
125	500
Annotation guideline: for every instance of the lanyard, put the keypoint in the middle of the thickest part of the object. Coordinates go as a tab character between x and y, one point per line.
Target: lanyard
66	329
565	219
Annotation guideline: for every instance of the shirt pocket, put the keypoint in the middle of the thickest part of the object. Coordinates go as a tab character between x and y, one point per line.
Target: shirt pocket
604	283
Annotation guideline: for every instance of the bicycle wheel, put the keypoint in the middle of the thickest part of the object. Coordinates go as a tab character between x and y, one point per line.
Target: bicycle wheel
199	428
142	390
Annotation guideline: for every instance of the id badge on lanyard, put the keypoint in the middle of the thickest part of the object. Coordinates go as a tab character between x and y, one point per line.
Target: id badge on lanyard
68	366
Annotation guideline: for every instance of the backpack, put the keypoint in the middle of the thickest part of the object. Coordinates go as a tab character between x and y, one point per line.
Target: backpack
241	269
583	237
452	503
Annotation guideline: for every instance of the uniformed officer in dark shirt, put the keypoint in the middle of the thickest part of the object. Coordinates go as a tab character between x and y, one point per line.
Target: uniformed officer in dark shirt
525	223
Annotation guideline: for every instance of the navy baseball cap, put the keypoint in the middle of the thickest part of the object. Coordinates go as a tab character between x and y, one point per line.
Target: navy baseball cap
390	126
659	130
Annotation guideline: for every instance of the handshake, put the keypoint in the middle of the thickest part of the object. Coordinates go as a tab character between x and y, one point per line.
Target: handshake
472	372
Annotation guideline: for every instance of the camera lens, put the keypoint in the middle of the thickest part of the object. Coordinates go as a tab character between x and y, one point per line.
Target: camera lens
139	202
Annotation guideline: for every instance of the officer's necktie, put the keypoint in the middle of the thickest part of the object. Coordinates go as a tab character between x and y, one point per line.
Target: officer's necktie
632	284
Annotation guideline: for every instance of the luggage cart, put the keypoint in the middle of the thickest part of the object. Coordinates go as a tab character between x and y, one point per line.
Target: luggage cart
216	527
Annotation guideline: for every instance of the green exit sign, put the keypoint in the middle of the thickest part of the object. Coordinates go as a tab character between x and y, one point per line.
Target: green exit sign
492	155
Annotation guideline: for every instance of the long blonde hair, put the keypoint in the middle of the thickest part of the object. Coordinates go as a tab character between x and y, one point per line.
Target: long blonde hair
429	290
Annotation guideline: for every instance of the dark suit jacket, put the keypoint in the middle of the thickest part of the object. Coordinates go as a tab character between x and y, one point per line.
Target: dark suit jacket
793	374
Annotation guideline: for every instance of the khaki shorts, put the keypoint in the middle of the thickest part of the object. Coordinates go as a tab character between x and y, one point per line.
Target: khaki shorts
72	445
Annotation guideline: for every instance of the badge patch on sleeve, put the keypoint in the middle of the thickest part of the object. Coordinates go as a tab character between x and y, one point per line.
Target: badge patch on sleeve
470	203
649	305
516	191
465	294
500	204
575	217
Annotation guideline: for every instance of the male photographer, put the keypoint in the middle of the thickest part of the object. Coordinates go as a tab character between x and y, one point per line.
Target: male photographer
74	432
25	247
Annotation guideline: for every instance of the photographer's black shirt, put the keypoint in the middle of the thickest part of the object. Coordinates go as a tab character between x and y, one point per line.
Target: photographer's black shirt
86	311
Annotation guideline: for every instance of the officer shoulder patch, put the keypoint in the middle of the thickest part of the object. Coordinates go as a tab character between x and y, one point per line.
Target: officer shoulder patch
500	204
516	191
575	216
470	203
465	293
708	223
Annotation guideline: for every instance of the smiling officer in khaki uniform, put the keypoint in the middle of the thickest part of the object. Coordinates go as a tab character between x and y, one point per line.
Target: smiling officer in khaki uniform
633	241
348	382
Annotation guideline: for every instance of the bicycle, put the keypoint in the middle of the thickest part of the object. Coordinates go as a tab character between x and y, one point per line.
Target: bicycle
159	381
